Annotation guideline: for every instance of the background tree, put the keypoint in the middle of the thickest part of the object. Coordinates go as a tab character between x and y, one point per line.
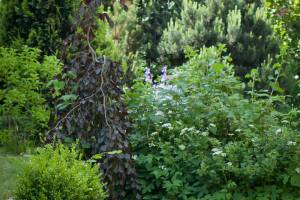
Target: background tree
145	23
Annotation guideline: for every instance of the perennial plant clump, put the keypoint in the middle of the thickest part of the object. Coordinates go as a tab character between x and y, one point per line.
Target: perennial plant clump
198	137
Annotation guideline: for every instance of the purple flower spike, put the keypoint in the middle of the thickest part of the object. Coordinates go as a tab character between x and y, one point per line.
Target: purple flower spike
164	76
148	76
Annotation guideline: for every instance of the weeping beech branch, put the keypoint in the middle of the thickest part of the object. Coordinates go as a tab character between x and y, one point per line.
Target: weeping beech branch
100	118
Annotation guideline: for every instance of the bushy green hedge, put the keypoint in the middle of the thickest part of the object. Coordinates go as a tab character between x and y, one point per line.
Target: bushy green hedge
200	138
59	174
24	113
36	23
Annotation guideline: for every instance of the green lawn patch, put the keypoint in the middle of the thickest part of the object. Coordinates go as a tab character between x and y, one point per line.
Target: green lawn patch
10	166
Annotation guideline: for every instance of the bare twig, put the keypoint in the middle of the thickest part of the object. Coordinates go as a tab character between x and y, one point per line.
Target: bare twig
104	98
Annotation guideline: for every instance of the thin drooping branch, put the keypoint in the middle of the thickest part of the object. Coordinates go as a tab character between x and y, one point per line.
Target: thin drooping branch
71	111
95	59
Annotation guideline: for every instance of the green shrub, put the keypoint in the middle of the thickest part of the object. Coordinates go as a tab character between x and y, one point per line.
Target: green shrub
104	43
24	113
200	138
59	174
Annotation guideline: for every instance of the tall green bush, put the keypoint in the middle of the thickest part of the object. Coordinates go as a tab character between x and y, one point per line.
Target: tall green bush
198	137
36	23
243	26
59	174
24	113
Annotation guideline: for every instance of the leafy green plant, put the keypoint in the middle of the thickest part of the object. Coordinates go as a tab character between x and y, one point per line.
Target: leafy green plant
59	174
24	113
105	43
198	137
285	16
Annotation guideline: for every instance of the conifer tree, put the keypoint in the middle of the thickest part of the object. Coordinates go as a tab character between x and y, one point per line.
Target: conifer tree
144	29
241	25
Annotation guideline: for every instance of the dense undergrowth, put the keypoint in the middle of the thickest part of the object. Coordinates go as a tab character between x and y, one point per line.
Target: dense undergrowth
193	99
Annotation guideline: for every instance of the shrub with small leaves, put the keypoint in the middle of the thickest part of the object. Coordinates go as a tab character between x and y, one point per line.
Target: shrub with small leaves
59	174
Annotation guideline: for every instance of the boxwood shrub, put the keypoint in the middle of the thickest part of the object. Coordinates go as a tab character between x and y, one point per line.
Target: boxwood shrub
59	174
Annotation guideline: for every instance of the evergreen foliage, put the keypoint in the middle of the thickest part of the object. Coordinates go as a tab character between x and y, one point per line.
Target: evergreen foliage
104	43
36	23
241	25
145	26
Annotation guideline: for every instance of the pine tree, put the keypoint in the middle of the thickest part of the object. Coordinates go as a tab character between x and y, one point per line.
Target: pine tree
241	25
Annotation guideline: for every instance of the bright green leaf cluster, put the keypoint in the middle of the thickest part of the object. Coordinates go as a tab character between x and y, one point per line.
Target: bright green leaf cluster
23	110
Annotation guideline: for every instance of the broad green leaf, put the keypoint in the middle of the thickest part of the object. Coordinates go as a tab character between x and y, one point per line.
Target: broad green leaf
295	180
